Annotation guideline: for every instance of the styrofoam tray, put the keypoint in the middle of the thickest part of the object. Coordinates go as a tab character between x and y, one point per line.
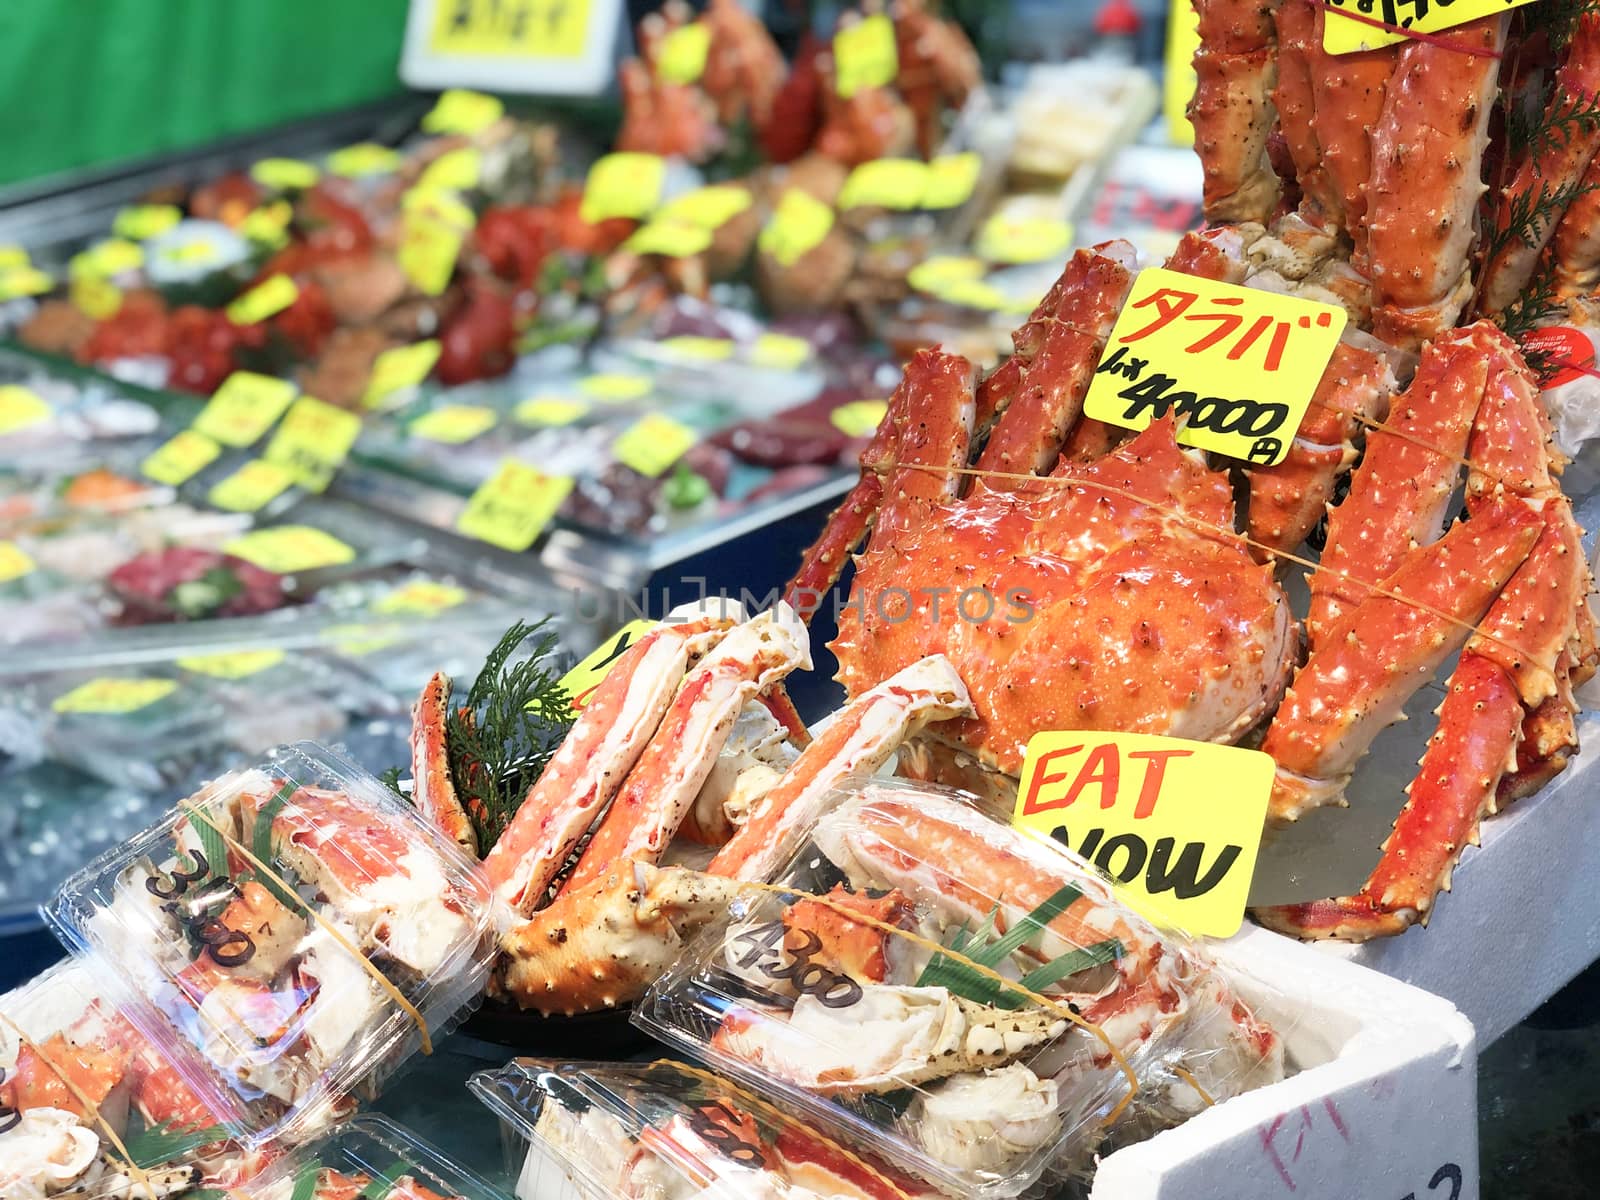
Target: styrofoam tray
1385	1104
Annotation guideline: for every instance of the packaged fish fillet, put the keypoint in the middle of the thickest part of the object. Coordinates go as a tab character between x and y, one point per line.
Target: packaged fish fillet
969	1002
369	1158
293	929
90	1108
618	1131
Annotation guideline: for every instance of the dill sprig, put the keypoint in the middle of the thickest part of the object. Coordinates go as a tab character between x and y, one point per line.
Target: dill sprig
513	719
1559	18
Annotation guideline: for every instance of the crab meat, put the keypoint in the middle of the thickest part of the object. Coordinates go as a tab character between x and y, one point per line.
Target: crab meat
894	1037
47	1152
981	1122
754	758
611	732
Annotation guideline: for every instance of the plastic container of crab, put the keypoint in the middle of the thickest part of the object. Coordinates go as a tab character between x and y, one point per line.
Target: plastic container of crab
969	1003
90	1107
293	929
602	1131
370	1158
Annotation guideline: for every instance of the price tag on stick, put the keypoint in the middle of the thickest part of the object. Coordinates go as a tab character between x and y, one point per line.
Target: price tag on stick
1236	366
1176	824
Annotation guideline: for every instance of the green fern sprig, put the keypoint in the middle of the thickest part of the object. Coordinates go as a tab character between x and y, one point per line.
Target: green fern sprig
1535	308
1533	134
1530	215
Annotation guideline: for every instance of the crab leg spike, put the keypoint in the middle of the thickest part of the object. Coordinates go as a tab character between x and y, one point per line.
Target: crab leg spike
603	944
600	749
1357	682
1561	162
1401	492
1454	788
1287	500
434	790
857	743
1232	109
1427	179
1058	357
929	422
670	772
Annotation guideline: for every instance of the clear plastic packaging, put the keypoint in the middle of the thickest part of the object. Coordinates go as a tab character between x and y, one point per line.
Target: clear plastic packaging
368	1158
87	1104
617	1130
294	930
967	1001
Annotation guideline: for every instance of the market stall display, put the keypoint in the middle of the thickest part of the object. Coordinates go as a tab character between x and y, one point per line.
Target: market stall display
368	1156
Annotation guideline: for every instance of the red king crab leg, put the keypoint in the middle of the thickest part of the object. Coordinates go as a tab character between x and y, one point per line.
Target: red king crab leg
1574	249
610	734
665	780
434	791
1348	93
858	742
1232	109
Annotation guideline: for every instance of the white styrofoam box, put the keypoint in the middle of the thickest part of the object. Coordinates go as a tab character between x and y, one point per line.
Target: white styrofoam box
1523	913
1384	1105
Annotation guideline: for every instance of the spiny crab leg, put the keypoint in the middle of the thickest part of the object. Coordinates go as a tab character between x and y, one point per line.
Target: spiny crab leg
1348	93
1574	249
602	944
1369	664
610	734
857	743
434	790
1559	165
1232	109
670	772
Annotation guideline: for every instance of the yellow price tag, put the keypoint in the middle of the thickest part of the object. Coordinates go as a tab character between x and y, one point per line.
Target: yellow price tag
535	29
708	207
312	441
1176	824
972	293
580	682
363	639
1205	351
363	159
422	598
13	256
614	388
622	185
1027	240
399	370
934	273
682	58
1344	34
796	228
110	257
429	247
14	562
285	549
95	296
455	170
859	418
864	55
672	239
701	349
513	506
114	695
951	178
21	409
251	488
268	225
24	281
239	664
145	221
885	183
652	444
460	111
267	299
181	458
284	174
454	424
244	408
549	411
780	350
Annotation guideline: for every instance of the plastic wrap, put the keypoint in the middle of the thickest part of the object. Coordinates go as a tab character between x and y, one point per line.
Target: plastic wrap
368	1158
88	1105
622	1130
294	930
969	1002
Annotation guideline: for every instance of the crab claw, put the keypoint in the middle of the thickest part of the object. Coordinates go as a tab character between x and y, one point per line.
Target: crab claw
601	945
434	789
